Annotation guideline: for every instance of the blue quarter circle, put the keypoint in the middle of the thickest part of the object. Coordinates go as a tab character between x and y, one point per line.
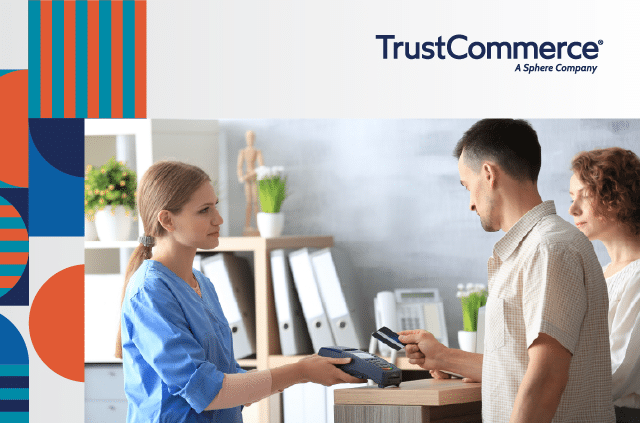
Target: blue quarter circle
14	349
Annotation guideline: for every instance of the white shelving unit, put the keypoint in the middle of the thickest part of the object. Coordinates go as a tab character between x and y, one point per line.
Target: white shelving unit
194	142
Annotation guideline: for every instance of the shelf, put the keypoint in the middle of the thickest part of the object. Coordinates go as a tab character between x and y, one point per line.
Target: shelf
110	244
248	362
255	243
403	363
237	243
281	360
105	360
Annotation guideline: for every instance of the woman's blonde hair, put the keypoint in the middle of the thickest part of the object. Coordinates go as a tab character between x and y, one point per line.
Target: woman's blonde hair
166	185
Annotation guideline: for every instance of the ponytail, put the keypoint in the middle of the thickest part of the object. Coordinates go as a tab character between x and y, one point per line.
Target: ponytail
166	185
140	254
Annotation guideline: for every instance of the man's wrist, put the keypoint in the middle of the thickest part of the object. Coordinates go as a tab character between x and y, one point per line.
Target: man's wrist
441	357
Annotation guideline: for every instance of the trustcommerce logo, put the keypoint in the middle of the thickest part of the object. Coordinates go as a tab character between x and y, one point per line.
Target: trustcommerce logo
458	47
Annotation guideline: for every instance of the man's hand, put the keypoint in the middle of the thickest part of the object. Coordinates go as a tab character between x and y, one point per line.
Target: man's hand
422	348
437	374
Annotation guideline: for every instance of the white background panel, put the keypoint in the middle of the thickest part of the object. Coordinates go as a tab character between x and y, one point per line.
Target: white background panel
52	398
321	59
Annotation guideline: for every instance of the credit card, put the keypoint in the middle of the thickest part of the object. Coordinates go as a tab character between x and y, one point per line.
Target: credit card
389	337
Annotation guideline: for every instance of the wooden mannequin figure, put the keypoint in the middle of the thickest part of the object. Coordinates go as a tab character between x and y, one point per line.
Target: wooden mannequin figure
250	155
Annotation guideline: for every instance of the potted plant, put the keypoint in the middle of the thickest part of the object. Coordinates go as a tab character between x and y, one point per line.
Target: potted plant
272	190
471	299
109	199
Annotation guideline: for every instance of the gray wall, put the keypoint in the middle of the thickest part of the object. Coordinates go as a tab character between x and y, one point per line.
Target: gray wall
389	193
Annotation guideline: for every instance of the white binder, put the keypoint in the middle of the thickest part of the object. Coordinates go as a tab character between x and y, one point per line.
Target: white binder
294	337
312	307
338	289
233	281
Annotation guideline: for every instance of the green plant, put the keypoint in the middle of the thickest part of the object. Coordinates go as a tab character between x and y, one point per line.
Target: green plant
272	188
471	299
112	184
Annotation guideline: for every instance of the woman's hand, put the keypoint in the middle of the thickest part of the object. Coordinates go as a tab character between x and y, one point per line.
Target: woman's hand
323	370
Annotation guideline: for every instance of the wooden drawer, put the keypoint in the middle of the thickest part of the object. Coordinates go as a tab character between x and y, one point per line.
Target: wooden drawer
104	382
96	411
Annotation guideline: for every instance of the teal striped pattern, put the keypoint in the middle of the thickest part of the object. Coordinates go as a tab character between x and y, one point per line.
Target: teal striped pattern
14	394
14	247
15	417
11	223
11	269
14	370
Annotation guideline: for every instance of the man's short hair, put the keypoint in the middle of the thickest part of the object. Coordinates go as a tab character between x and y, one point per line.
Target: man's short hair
512	144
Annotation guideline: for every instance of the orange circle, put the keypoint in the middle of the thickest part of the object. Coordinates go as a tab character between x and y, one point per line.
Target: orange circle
56	323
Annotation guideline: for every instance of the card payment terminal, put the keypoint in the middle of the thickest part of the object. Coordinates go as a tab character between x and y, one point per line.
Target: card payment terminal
365	366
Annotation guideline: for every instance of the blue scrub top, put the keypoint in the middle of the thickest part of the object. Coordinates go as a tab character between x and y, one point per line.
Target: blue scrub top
176	348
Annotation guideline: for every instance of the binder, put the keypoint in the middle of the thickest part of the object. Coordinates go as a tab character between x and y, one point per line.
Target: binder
294	336
334	274
312	307
233	281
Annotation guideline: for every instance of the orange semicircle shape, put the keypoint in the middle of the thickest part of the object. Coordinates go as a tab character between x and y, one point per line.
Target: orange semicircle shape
56	323
14	129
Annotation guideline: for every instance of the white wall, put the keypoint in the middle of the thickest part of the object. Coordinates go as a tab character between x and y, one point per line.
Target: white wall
389	193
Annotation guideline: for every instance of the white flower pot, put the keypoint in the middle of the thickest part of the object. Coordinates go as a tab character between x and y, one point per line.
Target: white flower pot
270	224
113	226
467	340
90	233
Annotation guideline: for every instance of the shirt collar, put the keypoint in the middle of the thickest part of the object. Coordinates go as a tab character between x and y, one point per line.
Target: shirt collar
508	243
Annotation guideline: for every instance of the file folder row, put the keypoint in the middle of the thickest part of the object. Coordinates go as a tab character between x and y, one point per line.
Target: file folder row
326	304
316	299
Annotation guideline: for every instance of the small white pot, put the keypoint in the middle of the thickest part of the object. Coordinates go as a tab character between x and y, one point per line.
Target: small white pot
90	233
270	224
467	340
113	227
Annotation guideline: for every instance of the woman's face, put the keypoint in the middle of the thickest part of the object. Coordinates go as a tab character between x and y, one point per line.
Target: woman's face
583	214
198	223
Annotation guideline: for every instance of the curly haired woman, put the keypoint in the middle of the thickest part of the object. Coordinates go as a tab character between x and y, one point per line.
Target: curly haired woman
605	189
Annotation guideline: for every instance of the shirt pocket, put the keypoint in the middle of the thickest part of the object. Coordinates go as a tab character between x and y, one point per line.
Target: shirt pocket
494	327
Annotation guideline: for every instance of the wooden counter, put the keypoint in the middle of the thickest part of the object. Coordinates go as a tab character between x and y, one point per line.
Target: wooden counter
426	400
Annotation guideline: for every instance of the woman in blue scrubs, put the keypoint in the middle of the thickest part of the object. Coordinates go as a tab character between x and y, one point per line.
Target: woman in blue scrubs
175	342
